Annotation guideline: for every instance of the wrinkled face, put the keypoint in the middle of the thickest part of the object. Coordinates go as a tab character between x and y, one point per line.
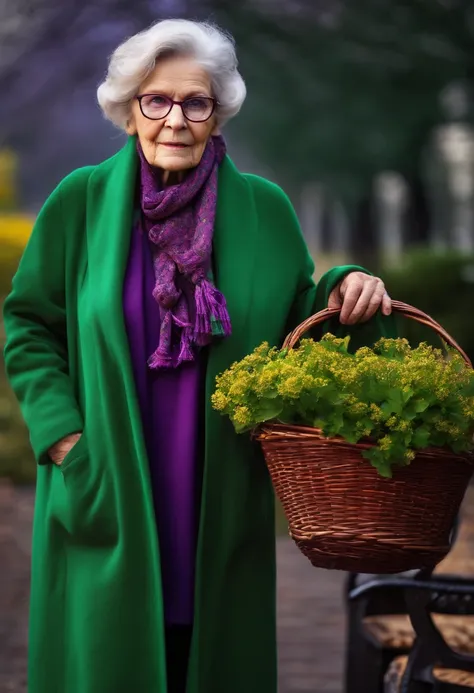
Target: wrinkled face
173	143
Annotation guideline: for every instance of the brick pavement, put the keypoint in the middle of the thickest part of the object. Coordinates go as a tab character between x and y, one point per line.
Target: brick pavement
15	530
310	624
310	620
310	602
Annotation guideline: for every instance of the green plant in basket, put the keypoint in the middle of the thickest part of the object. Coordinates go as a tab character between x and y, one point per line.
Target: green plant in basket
399	398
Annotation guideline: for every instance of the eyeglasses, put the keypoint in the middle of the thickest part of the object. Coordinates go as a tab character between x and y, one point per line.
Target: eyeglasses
196	109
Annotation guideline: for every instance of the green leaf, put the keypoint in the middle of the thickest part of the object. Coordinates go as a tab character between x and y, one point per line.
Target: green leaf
319	423
393	405
396	400
268	409
424	403
379	461
333	396
239	428
461	446
333	424
421	437
351	436
398	446
417	405
409	412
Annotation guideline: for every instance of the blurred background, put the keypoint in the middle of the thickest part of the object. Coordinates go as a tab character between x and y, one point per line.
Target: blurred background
362	111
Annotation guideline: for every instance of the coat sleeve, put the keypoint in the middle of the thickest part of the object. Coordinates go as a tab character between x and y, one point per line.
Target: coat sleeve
36	353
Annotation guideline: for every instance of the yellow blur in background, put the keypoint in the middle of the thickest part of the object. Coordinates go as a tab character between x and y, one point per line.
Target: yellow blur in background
15	227
16	460
15	230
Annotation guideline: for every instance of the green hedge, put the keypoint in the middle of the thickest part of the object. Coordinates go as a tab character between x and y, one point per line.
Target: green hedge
441	285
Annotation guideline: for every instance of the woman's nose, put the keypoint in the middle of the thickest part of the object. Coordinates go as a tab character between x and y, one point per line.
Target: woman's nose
176	119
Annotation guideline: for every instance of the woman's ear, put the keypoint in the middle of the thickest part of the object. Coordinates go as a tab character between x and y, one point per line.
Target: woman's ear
131	126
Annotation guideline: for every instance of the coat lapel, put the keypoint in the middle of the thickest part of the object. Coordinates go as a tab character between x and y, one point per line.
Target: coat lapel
234	243
110	209
109	222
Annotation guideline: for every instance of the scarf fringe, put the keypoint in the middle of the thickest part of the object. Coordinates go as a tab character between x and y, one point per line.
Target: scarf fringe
163	357
186	352
212	318
160	360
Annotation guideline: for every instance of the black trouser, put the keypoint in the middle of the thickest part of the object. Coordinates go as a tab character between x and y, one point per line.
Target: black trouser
178	643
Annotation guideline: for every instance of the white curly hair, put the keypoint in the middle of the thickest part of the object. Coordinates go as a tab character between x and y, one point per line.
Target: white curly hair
132	62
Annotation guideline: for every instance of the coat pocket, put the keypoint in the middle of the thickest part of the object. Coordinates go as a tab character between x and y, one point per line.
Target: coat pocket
89	508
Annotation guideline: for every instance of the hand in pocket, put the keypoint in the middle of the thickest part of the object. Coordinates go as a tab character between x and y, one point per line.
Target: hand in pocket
60	449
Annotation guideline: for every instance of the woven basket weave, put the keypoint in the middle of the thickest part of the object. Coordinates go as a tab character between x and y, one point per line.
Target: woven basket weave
341	513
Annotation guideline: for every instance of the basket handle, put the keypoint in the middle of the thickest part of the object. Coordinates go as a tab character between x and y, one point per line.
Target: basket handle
403	308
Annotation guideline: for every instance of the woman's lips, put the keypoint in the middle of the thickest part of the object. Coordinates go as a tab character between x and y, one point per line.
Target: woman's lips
174	145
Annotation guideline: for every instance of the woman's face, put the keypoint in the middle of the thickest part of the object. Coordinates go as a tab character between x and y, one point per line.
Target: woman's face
173	143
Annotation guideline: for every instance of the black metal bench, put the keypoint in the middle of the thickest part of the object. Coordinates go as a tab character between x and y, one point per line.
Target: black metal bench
380	631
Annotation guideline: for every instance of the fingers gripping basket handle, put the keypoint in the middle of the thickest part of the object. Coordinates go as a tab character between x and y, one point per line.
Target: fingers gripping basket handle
402	308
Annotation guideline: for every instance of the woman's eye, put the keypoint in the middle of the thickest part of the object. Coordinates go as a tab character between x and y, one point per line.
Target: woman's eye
196	104
159	101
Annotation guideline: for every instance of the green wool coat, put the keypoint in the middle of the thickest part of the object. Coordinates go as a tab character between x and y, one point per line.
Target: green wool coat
96	614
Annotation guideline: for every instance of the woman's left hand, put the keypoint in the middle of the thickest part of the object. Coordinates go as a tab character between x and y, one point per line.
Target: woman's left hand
359	296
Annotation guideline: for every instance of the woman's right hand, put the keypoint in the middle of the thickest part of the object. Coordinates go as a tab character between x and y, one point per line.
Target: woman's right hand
60	449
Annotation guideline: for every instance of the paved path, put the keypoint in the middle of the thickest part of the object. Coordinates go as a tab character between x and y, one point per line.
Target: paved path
310	620
310	624
310	602
15	530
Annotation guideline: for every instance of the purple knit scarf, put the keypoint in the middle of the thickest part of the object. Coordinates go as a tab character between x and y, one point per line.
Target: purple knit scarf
179	221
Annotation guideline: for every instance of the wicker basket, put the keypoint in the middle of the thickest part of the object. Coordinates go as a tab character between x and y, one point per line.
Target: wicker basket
342	514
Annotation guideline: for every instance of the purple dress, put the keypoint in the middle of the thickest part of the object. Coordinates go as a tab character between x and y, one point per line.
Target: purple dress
170	404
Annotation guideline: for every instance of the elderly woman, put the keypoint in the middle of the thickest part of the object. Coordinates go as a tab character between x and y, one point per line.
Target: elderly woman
153	564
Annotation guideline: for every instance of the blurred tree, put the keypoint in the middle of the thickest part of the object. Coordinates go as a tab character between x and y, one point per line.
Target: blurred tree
340	90
337	90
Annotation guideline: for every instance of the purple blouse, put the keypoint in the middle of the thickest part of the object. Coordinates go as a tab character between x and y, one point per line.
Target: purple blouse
170	404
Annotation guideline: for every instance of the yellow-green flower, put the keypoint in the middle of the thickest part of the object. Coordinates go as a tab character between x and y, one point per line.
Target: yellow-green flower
219	401
376	413
242	416
385	443
385	393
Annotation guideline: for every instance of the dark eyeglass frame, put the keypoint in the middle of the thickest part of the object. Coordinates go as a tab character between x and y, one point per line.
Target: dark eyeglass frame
172	103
